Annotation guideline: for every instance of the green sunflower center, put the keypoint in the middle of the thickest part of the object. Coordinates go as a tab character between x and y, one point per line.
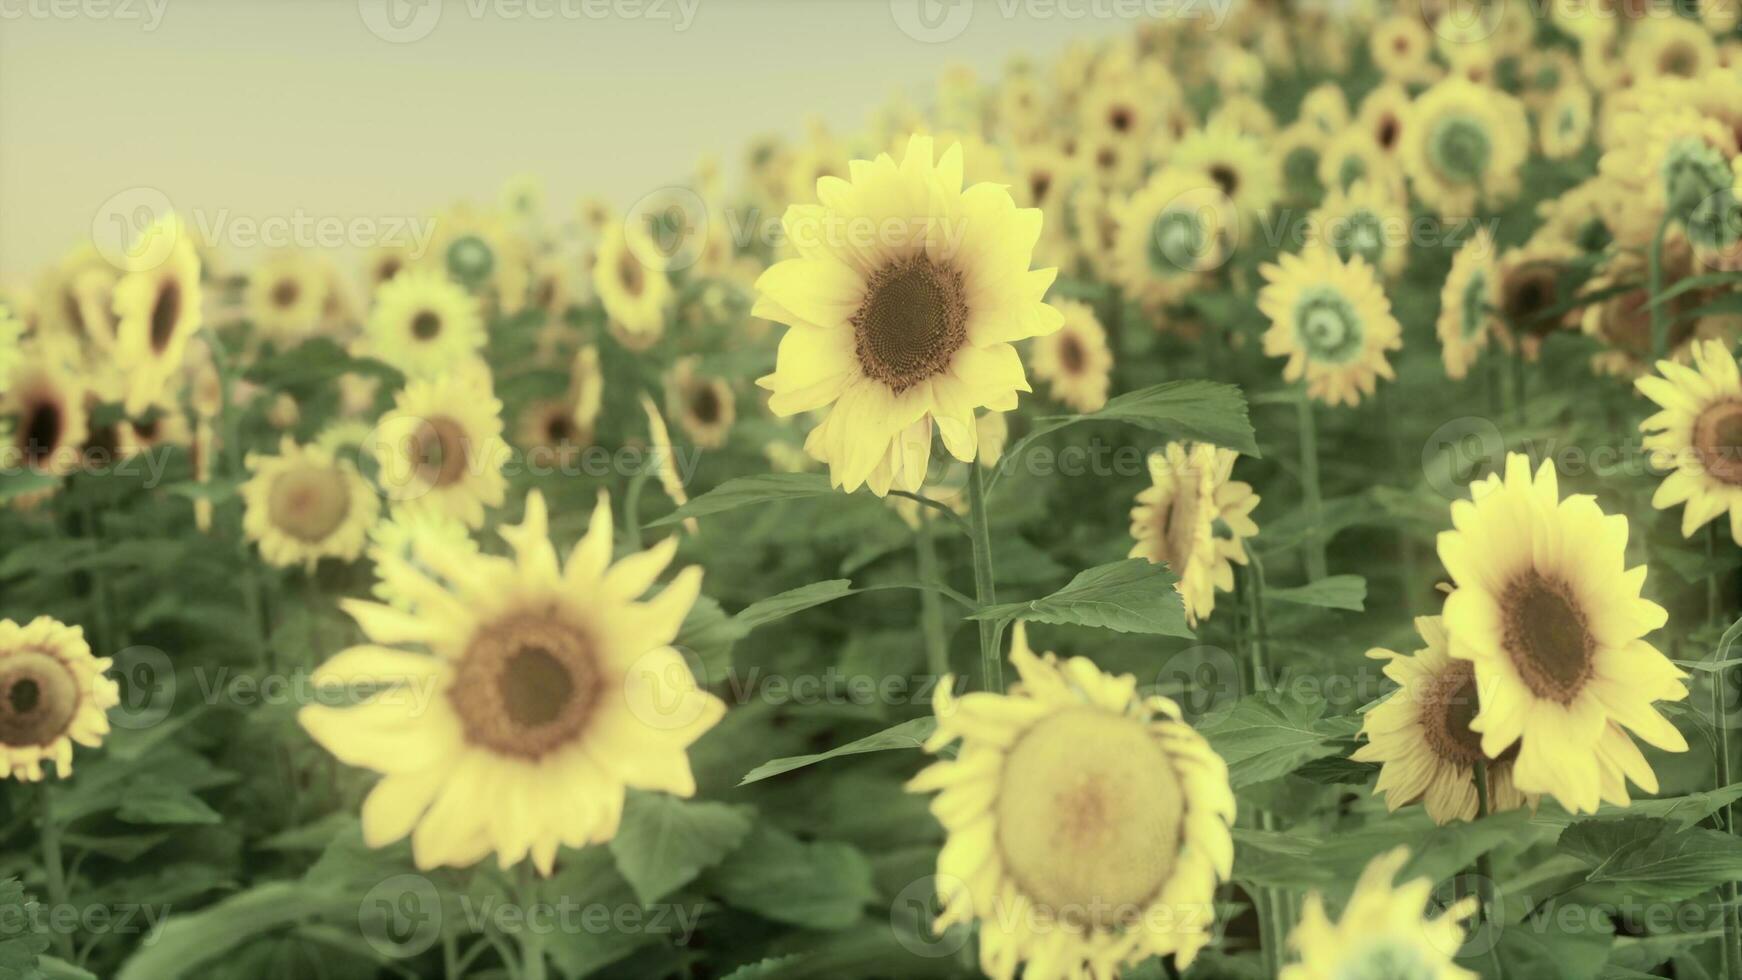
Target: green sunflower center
1300	172
1717	439
1473	306
1361	234
38	697
1459	148
1353	168
526	685
470	259
1692	172
1547	636
1327	326
1387	959
1089	817
911	323
309	504
1716	221
1176	242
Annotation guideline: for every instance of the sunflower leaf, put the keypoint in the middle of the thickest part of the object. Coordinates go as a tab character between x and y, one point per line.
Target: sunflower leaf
909	734
1130	596
821	885
1264	737
747	490
665	842
1651	858
776	607
1204	411
1333	592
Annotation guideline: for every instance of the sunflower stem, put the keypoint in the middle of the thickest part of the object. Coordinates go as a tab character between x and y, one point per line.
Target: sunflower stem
937	652
532	965
1485	863
985	593
1726	814
1659	311
1309	478
230	425
54	867
1271	905
632	507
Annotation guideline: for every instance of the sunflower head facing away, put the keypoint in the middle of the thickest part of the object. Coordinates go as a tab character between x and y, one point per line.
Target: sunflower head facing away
1697	436
157	309
519	697
904	300
1554	622
1384	931
304	504
1196	519
1468	304
1331	319
52	693
1088	826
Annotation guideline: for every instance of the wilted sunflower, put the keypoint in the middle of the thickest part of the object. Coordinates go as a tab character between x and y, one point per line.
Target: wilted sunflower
1468	304
631	282
424	323
1088	826
1331	319
49	419
304	504
1555	625
440	448
547	690
913	329
1195	518
287	296
1422	738
1075	362
703	406
1170	235
1697	437
157	309
52	693
1384	931
1464	148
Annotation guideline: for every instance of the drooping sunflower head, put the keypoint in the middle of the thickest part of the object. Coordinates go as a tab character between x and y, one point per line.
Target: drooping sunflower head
441	446
1468	304
424	323
1194	517
1331	319
1697	436
1088	826
304	504
1464	147
53	693
1384	931
157	309
48	409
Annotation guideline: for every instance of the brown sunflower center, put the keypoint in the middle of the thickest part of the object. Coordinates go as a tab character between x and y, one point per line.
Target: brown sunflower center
911	323
1387	134
426	325
1678	59
1527	295
1119	117
559	428
630	271
1448	706
38	697
440	451
1718	440
1089	817
1177	524
1038	185
165	314
40	435
309	504
1071	355
1547	636
386	270
525	685
1226	177
285	293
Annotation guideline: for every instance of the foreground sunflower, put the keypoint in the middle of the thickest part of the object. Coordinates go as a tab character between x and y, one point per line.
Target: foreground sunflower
424	323
1383	932
157	309
1331	319
1176	521
1468	304
1076	361
548	689
1088	825
1697	436
52	693
1422	738
1554	623
441	446
304	504
914	328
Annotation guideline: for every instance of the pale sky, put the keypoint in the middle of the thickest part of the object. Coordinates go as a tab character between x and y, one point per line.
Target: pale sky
250	112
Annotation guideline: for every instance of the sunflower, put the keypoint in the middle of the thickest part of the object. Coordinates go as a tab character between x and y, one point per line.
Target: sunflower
1088	826
424	323
1555	625
440	448
914	329
394	544
1075	362
665	462
157	308
548	689
1531	292
586	388
475	248
303	505
1564	125
1300	147
1238	162
631	282
1325	108
385	262
47	404
703	406
1464	147
77	299
1697	436
1170	235
1331	319
1195	518
1363	221
1384	117
1383	932
1403	50
52	693
1353	156
1669	47
287	296
1670	161
1468	303
1422	738
545	431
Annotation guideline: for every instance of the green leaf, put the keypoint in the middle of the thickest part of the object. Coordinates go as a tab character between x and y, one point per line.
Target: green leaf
664	842
164	804
1683	811
1130	596
1333	592
907	735
18	482
1542	947
1266	737
791	601
189	941
317	361
746	490
823	885
1651	858
1203	411
709	634
20	941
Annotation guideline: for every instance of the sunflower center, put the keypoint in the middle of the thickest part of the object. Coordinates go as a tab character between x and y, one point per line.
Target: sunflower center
1071	355
38	697
1300	169
426	325
1693	171
1547	636
309	504
470	259
560	428
1718	440
913	320
1328	326
1679	60
705	404
1474	311
1386	959
1226	177
386	270
1089	817
1038	185
1528	294
526	685
165	313
1460	149
41	432
1362	235
285	292
440	451
1176	241
629	270
1120	118
1387	133
1447	708
1177	524
1716	221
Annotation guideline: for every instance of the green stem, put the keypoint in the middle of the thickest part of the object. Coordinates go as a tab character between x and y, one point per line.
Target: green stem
532	965
54	867
985	593
1659	311
1309	477
1272	905
230	426
937	651
632	507
1485	863
1726	815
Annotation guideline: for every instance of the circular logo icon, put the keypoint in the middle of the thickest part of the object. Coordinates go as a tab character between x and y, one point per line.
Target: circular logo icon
1205	681
401	916
128	230
662	688
1196	232
932	21
667	229
916	907
1461	452
400	21
148	685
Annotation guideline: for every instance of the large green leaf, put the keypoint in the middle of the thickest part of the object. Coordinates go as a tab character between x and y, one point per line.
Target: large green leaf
822	885
746	490
188	942
664	842
1130	596
1651	858
907	735
791	601
1333	592
1203	411
1267	736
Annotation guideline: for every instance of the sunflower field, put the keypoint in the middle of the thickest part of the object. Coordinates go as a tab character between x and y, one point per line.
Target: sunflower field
1251	496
